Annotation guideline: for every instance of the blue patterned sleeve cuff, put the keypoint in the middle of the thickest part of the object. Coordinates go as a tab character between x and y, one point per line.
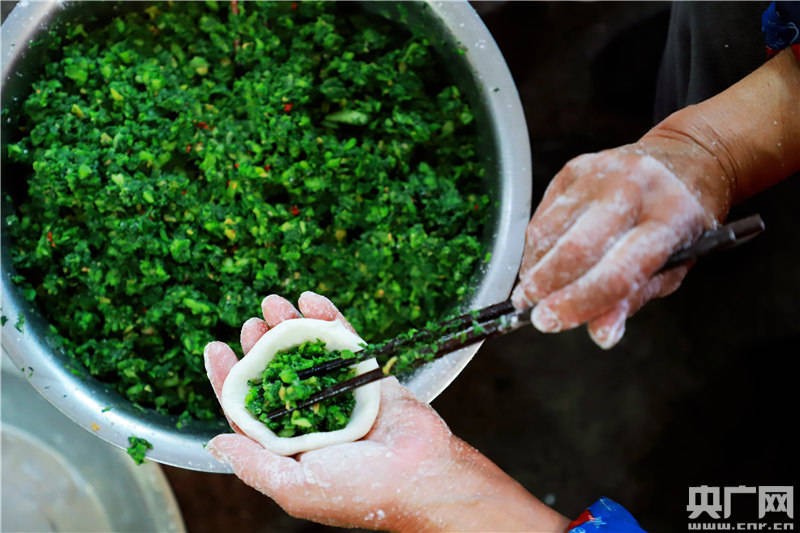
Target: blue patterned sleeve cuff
607	516
780	23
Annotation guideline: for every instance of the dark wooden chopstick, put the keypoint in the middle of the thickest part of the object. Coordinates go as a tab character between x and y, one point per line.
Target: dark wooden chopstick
727	236
458	323
499	318
330	392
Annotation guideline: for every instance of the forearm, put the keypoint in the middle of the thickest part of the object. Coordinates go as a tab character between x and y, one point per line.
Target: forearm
749	134
479	496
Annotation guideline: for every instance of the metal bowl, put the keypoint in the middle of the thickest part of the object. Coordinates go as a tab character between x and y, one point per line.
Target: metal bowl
57	477
481	74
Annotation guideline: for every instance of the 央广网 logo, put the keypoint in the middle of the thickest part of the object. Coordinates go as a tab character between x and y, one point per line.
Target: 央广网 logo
717	503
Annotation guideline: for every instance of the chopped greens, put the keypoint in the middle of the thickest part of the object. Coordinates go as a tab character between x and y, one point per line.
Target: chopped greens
279	387
138	448
187	159
411	355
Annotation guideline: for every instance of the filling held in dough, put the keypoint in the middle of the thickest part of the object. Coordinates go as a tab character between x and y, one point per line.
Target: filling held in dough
286	335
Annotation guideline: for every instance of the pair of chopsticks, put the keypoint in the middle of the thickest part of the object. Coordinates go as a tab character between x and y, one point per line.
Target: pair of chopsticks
494	320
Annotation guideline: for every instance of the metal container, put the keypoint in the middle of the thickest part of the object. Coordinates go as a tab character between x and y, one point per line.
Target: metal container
480	72
57	477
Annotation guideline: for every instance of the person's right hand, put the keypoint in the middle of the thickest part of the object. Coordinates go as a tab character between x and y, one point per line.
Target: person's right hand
610	220
607	223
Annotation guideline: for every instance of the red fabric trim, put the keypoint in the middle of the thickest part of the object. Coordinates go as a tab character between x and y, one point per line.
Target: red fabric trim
584	517
795	49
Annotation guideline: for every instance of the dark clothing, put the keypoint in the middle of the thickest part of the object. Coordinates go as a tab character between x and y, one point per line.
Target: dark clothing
710	46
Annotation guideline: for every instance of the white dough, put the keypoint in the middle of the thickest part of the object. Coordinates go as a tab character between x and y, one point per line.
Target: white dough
285	335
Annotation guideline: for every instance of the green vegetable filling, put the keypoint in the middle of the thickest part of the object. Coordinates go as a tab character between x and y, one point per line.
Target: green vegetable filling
280	387
138	448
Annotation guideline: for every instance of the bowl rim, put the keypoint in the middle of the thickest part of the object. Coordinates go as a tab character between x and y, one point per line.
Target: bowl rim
85	400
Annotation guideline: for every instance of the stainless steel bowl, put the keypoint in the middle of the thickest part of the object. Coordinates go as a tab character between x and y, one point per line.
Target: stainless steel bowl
481	73
57	477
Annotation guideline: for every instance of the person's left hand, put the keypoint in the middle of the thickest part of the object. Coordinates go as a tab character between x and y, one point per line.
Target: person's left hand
409	473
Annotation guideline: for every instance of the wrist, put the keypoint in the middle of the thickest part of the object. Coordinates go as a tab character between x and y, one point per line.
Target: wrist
478	496
746	135
687	144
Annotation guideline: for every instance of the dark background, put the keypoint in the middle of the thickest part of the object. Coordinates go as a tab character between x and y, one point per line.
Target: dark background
698	391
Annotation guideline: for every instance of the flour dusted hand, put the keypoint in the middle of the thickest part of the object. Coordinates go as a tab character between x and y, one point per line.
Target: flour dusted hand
606	225
608	221
353	483
409	473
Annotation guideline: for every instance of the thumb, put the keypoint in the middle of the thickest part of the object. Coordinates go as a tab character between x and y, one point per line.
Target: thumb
219	359
278	477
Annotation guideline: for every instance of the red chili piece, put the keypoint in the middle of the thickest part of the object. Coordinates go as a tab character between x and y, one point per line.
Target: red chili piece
183	192
188	148
50	238
287	107
294	5
476	207
295	210
267	168
236	165
203	126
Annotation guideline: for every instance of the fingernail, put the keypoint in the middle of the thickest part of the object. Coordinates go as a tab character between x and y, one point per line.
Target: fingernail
545	320
216	453
608	336
250	321
520	299
314	295
267	299
207	350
